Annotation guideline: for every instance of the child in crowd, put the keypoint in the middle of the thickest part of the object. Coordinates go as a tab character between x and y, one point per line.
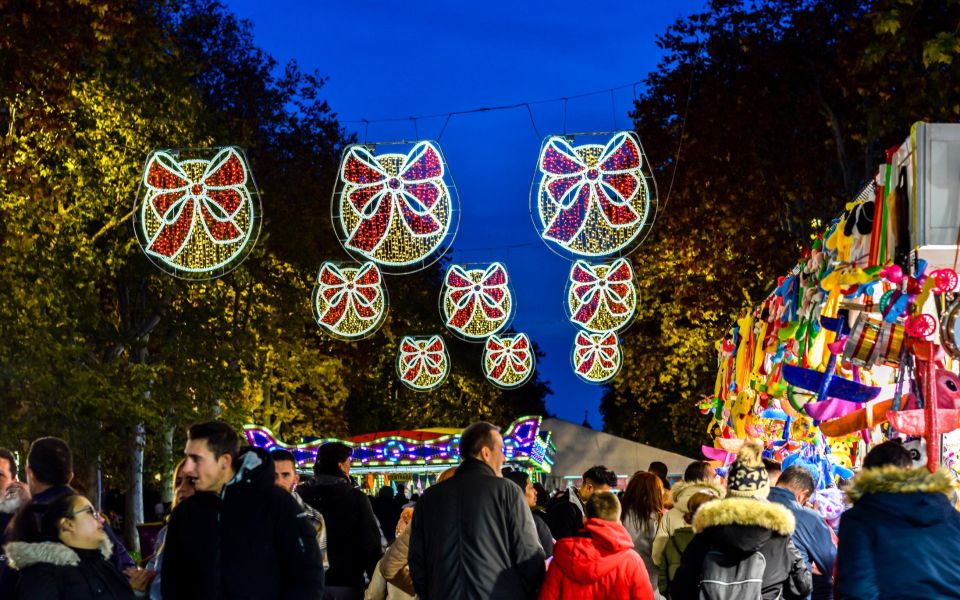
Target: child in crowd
678	540
601	565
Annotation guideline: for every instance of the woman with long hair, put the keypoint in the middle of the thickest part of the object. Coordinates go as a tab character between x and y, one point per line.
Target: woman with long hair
642	510
61	551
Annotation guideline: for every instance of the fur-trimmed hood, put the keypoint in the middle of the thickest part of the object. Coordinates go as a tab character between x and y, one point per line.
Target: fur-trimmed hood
745	511
895	480
21	555
682	491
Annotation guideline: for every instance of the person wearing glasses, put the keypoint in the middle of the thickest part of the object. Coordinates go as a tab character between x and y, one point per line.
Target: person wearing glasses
61	550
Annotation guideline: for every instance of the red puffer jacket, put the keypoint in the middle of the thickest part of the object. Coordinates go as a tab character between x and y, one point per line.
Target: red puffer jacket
603	565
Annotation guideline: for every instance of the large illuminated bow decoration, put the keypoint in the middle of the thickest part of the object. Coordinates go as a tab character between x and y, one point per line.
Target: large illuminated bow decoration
379	197
467	296
596	349
359	289
178	200
574	186
422	360
590	291
504	354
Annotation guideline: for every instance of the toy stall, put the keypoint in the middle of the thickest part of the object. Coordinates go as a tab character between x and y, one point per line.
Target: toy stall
416	457
860	341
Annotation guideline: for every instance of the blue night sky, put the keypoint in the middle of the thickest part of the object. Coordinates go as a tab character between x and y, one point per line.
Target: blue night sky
394	60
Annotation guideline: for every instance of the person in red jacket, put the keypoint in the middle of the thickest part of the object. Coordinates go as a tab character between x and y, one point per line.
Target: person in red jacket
601	563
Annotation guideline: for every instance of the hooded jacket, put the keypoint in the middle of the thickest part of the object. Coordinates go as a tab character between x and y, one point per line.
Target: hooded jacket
673	520
119	556
353	535
473	538
54	571
738	527
603	565
251	541
901	539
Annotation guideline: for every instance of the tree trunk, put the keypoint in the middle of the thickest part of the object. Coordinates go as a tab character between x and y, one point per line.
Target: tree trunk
169	462
134	508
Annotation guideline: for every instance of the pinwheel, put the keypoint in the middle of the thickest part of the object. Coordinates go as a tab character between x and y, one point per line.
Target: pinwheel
595	192
395	209
422	362
601	298
350	302
197	216
476	302
508	360
596	356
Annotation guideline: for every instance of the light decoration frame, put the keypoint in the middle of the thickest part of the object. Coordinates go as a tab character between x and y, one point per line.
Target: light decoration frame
526	445
400	210
198	212
350	301
508	361
422	362
593	200
476	303
601	297
597	357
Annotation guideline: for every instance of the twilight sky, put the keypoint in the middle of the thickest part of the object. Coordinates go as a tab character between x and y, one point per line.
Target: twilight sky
387	60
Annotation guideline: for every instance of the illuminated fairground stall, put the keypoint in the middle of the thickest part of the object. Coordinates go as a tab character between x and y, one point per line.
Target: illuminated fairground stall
417	456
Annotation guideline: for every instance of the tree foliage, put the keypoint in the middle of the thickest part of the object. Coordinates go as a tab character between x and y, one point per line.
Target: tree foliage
784	109
97	341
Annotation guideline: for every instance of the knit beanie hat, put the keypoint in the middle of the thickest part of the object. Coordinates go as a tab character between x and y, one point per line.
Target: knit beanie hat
748	476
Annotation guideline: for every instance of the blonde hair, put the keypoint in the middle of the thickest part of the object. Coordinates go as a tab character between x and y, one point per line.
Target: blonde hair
695	502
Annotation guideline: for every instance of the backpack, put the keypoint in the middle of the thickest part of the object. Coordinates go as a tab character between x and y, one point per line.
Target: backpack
727	578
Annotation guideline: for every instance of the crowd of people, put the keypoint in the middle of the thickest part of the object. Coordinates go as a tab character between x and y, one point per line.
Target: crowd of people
243	526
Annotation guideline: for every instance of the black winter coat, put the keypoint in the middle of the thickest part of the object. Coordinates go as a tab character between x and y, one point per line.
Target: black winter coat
53	571
474	538
738	527
565	514
353	535
250	542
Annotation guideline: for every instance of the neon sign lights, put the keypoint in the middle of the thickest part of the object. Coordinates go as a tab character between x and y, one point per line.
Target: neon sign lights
199	213
524	444
601	298
397	210
508	361
596	356
591	200
422	362
350	301
476	303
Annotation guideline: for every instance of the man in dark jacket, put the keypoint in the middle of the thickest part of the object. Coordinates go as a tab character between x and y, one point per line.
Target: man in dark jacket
49	473
811	535
473	535
901	539
353	536
733	531
239	536
565	512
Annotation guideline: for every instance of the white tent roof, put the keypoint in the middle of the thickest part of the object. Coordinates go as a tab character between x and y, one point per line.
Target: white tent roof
579	448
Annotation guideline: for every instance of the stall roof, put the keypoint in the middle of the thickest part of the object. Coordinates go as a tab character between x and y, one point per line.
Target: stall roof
579	448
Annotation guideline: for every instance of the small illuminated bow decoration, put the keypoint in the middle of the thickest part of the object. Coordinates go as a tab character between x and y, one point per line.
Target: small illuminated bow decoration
574	186
502	354
423	357
614	289
379	197
467	296
591	348
178	200
361	290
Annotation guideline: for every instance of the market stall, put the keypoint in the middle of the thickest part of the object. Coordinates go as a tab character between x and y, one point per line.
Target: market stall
416	456
859	342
